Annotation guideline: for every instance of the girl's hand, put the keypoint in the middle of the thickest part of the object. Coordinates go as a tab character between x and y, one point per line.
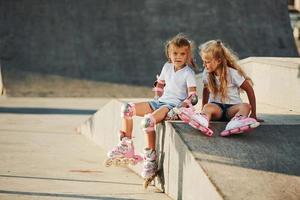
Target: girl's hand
184	104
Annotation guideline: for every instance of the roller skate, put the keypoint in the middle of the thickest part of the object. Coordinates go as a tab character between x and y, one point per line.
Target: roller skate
196	120
123	154
150	167
240	124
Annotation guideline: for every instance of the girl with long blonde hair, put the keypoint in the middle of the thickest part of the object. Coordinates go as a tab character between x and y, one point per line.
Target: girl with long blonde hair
223	80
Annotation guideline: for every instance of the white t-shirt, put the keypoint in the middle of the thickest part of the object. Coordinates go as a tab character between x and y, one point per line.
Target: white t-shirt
235	80
177	83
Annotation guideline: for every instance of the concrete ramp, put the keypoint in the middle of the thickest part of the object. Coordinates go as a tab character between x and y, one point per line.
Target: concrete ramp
276	80
103	40
263	164
2	91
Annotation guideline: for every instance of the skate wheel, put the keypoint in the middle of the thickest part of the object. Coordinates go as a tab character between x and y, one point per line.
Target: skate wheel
116	162
225	133
131	161
236	130
184	118
209	133
108	163
147	182
124	161
245	128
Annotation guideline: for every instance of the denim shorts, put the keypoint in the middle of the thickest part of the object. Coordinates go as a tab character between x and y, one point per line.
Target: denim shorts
224	108
155	104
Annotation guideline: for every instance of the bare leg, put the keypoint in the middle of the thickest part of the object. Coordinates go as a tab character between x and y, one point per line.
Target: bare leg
212	111
158	115
141	109
239	109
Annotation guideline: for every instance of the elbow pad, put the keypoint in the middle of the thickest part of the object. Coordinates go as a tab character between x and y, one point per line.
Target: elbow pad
192	98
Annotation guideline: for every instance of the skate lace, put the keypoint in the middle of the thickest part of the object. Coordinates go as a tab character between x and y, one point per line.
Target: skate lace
122	147
239	117
150	161
149	165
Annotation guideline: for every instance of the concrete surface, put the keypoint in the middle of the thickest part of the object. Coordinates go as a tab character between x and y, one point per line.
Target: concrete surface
260	165
263	164
1	83
276	80
103	40
43	157
180	177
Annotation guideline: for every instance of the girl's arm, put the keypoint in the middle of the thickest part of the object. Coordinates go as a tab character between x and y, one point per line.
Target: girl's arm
251	97
158	88
192	90
192	97
205	95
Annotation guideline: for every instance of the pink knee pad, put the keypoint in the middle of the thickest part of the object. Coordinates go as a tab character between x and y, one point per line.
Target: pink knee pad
128	110
148	123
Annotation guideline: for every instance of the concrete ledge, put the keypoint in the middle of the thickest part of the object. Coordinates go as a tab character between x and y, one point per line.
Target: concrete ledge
181	176
2	91
263	164
276	80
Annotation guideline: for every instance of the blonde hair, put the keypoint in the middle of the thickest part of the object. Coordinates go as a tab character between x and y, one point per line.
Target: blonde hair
181	40
217	50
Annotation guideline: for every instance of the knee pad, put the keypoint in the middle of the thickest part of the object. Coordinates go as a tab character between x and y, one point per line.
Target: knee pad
128	110
148	123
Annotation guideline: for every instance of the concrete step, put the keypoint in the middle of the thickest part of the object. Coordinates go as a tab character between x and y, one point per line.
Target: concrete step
262	164
43	157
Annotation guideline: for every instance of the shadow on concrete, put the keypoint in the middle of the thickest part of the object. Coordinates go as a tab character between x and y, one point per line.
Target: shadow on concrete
45	194
46	111
65	179
270	147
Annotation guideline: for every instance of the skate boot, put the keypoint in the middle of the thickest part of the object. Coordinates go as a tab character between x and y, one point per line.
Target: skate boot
196	120
150	166
239	124
123	154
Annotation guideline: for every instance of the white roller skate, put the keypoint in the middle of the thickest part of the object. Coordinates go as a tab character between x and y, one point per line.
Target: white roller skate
123	154
150	166
196	120
239	124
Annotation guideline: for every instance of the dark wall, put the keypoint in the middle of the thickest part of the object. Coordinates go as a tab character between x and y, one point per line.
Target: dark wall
122	40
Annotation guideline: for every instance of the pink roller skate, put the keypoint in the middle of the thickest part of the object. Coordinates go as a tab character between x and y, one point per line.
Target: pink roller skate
150	166
239	124
123	154
196	120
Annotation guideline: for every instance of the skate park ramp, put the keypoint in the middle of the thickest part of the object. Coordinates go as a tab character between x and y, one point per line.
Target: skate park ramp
123	41
2	91
262	164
